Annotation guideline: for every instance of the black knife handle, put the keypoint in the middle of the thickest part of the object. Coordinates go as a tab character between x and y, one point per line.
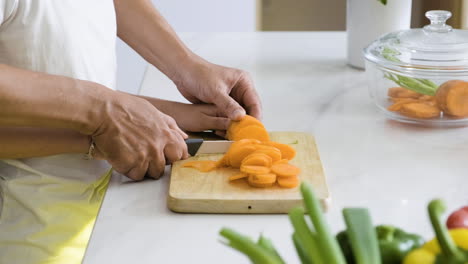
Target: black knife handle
193	145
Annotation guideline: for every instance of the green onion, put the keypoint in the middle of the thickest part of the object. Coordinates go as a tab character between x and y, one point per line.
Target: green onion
266	243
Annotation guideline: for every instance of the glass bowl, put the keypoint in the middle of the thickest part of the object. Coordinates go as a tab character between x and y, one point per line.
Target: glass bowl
420	75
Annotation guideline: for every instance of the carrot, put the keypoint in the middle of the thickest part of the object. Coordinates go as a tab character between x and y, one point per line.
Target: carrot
400	92
287	152
400	102
252	169
288	182
257	159
283	161
238	176
236	155
261	181
452	98
274	153
201	165
235	126
285	170
419	110
252	131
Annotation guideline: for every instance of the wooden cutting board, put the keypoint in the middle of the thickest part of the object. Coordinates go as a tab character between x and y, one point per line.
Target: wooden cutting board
191	191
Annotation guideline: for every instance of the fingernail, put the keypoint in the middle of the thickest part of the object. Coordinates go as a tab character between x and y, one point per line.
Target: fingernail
238	114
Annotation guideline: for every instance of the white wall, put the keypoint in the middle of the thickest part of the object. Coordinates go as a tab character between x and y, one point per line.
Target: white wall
187	16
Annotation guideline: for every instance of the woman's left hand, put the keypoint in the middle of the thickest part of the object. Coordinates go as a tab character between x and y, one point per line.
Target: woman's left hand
231	90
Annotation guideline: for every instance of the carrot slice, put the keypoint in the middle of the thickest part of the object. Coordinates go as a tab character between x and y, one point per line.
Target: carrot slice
285	170
287	152
263	178
238	154
238	176
400	92
283	161
201	165
252	131
452	98
274	153
257	159
252	169
261	182
235	126
419	110
288	182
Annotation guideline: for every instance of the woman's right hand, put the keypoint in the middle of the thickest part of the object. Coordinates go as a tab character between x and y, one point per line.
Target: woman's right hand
136	138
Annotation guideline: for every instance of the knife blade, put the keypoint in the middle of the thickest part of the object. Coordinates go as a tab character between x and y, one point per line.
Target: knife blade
199	146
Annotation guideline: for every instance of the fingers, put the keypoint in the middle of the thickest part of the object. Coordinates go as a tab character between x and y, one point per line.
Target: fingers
138	172
244	92
173	125
156	167
229	107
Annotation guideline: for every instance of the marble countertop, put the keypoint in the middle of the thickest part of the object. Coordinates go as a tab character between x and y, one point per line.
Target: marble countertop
393	169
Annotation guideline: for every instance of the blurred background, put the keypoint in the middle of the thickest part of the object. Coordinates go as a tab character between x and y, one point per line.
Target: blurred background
263	15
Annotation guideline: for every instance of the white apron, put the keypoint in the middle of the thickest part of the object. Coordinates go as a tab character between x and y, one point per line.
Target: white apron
48	205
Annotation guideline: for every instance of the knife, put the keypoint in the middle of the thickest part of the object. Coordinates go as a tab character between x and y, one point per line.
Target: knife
199	146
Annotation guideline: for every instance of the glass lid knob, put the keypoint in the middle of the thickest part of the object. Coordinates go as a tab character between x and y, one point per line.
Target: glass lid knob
438	18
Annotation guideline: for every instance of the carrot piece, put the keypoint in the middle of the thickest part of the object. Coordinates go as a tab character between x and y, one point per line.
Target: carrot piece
288	182
238	176
287	152
263	178
261	181
272	152
452	98
238	154
283	161
252	131
419	110
257	159
400	92
201	165
252	169
285	170
399	102
235	126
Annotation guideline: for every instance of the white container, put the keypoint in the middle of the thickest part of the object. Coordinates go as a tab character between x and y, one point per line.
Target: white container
367	20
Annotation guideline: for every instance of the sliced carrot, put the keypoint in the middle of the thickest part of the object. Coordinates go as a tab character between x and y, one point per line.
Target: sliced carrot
263	178
201	165
274	153
253	132
257	159
287	152
283	161
400	92
452	98
288	182
235	126
238	154
398	103
238	176
419	110
260	182
252	169
285	170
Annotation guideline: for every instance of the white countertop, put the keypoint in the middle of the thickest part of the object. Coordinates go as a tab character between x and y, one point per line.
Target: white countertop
394	169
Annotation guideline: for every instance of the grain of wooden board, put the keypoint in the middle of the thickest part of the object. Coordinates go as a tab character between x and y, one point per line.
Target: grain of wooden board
191	191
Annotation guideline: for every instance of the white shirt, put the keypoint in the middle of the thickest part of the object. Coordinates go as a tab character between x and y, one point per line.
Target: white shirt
74	38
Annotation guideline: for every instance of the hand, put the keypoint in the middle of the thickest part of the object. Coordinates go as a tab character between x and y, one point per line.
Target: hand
192	117
136	138
231	90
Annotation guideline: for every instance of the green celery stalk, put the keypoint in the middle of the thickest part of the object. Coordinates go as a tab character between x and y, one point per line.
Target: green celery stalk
303	256
305	237
330	249
256	253
362	236
266	243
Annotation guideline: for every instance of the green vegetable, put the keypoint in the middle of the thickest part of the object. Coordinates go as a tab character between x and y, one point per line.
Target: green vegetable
306	239
384	2
301	252
394	244
422	86
256	253
362	236
331	252
268	245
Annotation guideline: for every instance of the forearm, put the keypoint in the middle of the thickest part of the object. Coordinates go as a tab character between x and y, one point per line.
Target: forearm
26	142
143	28
35	99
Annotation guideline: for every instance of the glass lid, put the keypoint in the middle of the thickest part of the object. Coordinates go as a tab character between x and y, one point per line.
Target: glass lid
436	47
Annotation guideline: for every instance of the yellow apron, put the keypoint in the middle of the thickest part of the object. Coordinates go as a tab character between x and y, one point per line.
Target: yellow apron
49	208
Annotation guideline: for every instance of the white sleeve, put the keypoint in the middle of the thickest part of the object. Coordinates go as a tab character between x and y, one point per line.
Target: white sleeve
7	9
